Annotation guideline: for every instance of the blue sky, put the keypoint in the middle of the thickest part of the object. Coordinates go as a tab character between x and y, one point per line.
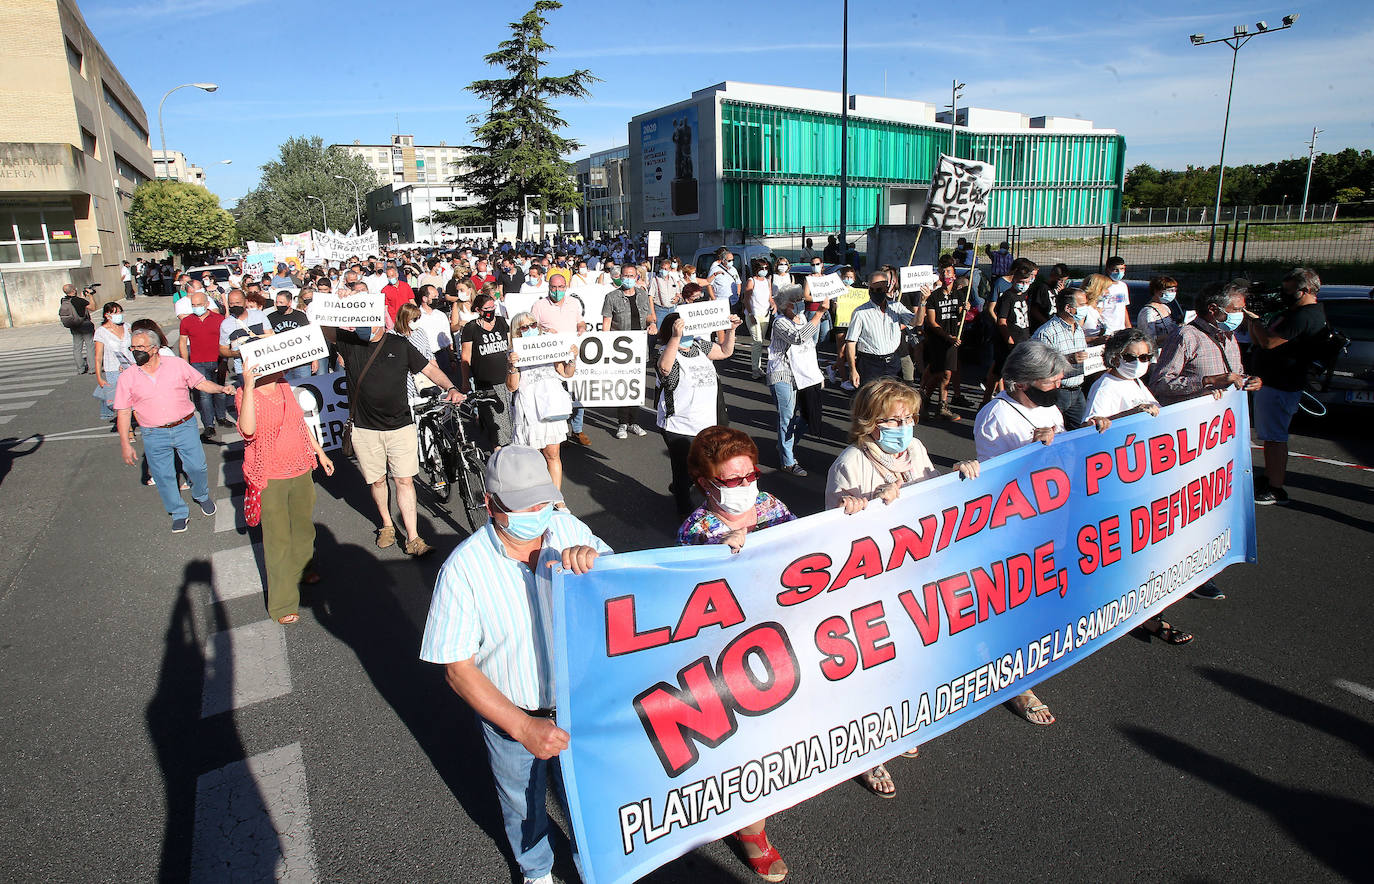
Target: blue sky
342	70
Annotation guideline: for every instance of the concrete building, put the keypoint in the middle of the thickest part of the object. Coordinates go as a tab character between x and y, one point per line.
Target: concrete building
176	167
603	181
73	146
399	212
740	159
404	162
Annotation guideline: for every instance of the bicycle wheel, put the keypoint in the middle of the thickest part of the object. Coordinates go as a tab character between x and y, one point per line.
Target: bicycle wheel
472	486
432	461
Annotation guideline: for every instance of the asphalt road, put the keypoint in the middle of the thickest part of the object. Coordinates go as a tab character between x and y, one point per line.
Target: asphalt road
1248	754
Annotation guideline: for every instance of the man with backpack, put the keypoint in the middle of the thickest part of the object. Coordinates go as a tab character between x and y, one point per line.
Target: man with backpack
74	312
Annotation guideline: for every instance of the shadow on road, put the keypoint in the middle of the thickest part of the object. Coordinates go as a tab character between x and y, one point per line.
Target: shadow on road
9	453
1333	829
1303	710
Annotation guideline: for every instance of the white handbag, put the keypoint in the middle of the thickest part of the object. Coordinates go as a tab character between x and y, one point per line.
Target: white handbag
552	402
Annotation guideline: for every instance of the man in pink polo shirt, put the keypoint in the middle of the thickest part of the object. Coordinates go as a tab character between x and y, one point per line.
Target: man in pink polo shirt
158	389
563	315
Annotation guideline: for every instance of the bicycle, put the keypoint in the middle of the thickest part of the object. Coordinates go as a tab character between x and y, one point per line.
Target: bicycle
448	456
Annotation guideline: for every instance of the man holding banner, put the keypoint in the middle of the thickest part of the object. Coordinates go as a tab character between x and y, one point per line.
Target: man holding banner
490	625
629	309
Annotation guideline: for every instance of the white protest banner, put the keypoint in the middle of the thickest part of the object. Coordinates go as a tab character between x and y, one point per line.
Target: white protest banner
958	199
543	349
1093	363
284	350
259	263
330	392
610	369
704	317
296	242
915	277
358	310
518	302
828	285
654	243
593	298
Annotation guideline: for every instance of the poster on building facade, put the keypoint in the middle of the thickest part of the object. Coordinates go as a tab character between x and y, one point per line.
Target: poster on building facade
670	146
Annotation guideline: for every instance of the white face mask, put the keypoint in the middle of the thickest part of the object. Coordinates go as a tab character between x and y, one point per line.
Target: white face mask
737	500
1133	369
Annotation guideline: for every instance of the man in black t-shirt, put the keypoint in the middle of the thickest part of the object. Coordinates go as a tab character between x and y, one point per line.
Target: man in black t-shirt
1285	346
1040	297
384	436
75	313
1013	317
283	319
944	314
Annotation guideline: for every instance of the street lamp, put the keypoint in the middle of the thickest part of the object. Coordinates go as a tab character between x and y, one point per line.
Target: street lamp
162	133
357	202
323	216
955	94
1240	35
1311	155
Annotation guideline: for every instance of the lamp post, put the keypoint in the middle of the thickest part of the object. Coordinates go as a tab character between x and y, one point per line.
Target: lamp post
357	202
162	133
955	94
1311	155
1240	35
844	141
323	217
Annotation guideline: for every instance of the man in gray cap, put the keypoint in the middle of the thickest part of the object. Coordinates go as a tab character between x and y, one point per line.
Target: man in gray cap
490	625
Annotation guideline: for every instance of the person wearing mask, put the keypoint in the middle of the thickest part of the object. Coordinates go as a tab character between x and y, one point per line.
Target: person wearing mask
628	308
1040	298
1013	320
243	323
794	375
279	455
831	254
74	312
1203	357
530	387
756	300
155	390
724	464
434	324
1064	332
282	279
485	345
198	344
1285	348
1156	317
1121	390
944	326
688	392
511	277
724	278
162	350
1114	304
283	318
396	291
875	333
1024	412
489	627
535	283
408	327
481	275
665	287
112	356
562	313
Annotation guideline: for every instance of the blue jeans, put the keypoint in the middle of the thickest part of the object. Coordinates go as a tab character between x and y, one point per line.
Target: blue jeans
791	426
159	445
521	784
579	414
210	405
106	396
1072	406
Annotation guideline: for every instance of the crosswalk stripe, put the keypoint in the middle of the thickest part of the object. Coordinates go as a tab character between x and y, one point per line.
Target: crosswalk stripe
6	418
55	362
18	405
27	381
253	821
243	666
24	393
236	571
229	515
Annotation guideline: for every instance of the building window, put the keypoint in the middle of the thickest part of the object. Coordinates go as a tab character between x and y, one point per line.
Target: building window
122	112
36	232
88	144
129	172
74	59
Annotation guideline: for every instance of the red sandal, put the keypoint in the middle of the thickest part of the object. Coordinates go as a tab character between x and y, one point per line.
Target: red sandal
768	858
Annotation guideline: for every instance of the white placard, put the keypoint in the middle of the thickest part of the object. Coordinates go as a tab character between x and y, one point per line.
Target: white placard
610	369
358	310
543	349
284	350
704	317
326	420
654	243
1093	362
593	298
518	302
959	191
916	276
828	285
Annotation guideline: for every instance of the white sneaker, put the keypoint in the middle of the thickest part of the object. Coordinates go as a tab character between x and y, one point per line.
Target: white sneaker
621	432
542	879
637	430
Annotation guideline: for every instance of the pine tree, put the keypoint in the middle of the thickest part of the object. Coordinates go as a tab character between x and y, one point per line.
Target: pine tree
518	151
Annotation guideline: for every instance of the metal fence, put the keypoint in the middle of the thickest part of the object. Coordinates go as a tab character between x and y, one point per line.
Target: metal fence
1335	246
1203	214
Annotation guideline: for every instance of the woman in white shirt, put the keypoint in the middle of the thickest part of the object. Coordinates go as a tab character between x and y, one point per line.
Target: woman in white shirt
757	298
112	355
723	277
535	388
1121	390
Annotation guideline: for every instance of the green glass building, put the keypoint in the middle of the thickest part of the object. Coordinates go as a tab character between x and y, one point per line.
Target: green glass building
765	160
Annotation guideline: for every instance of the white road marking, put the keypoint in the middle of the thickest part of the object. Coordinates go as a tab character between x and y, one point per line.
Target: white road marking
229	515
230	473
6	418
243	666
30	381
18	405
253	821
236	571
1359	690
26	393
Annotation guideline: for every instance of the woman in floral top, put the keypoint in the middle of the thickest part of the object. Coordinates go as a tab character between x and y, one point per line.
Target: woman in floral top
724	464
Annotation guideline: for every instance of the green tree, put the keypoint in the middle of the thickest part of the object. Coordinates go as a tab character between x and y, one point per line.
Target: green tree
518	151
304	167
182	217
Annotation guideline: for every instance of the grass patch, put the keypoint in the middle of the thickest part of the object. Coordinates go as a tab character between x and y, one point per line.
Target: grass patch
1331	272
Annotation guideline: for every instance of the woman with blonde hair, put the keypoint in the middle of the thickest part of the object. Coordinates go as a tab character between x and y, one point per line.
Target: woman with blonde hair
1094	286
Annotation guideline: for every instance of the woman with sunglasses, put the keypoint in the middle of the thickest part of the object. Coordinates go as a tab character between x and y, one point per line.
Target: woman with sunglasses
530	429
724	463
884	457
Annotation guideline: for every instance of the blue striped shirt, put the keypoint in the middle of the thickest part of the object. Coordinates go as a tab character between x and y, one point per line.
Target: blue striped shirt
489	606
1066	339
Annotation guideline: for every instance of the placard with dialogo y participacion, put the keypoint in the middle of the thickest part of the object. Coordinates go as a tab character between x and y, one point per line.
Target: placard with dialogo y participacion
358	310
543	349
284	350
916	276
704	317
828	285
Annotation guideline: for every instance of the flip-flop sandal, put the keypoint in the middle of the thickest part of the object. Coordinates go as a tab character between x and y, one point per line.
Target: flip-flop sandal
912	753
1171	636
289	618
1031	706
876	778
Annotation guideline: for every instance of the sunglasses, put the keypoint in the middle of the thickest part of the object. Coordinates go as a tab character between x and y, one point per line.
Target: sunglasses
737	481
1143	357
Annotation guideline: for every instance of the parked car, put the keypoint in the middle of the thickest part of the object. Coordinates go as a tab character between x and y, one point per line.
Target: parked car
1349	380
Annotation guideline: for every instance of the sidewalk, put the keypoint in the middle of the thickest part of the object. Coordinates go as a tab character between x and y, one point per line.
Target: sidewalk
54	334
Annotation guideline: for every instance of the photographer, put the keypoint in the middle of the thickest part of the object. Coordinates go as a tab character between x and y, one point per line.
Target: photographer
74	312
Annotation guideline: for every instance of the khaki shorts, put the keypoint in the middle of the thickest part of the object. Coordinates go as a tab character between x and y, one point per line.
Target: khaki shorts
379	452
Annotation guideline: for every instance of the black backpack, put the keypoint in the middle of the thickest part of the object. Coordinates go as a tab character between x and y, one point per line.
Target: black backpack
67	315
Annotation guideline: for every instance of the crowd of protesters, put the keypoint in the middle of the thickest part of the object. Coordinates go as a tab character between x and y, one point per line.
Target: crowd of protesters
1029	335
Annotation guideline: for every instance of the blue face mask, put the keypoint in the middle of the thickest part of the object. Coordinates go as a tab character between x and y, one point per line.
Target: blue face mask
1233	320
1022	286
1081	313
528	526
1167	296
529	333
1117	275
198	309
687	341
895	440
117	318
